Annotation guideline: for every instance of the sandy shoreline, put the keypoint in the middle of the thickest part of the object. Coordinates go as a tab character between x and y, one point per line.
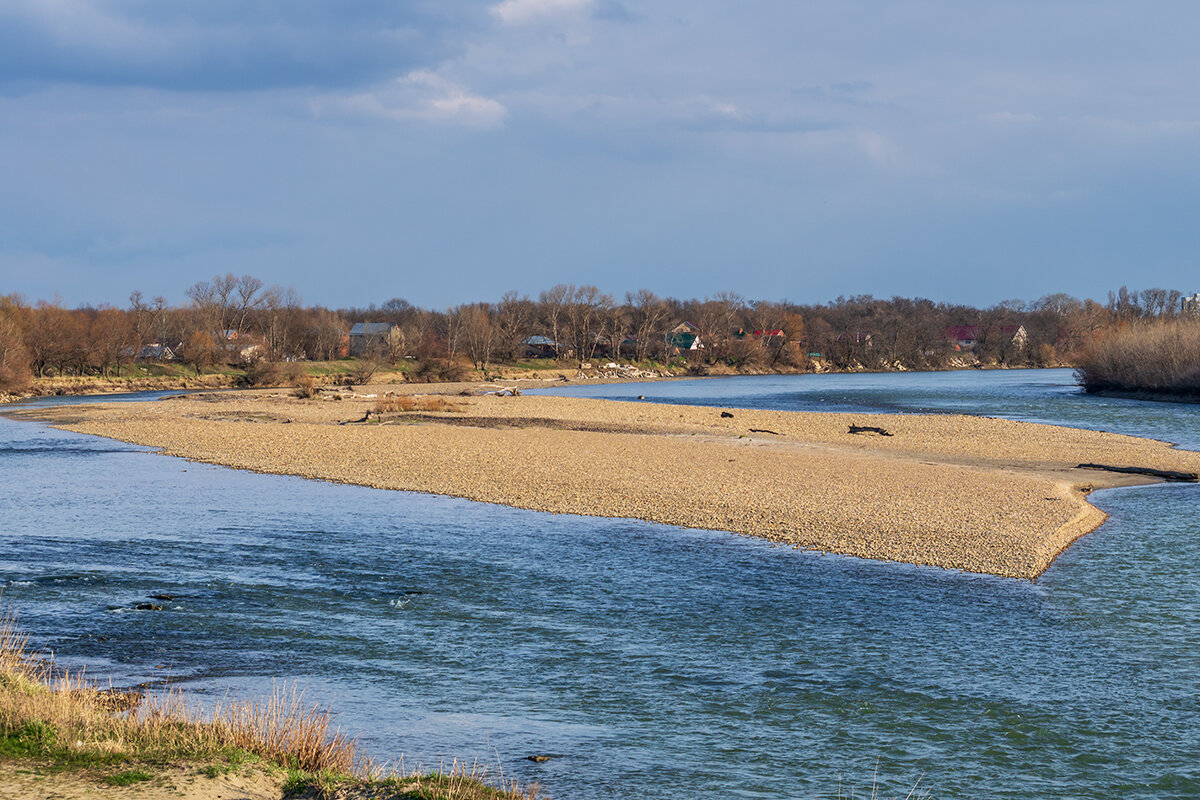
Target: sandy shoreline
969	493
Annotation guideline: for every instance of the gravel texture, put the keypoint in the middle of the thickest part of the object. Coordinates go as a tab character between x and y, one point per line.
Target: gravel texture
976	494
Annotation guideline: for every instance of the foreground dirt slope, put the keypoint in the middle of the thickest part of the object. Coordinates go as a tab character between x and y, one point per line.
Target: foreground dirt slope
983	495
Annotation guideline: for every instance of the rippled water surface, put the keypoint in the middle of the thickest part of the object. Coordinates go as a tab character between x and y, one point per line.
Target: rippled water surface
655	662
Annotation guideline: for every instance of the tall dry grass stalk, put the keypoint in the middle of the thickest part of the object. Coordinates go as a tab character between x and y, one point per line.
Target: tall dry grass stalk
1156	357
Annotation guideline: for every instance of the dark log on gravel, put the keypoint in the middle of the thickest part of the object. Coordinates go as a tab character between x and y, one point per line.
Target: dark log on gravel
868	429
1165	474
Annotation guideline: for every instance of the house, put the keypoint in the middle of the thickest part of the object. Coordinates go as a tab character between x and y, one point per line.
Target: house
769	336
155	352
540	347
965	337
684	336
366	337
1190	306
249	351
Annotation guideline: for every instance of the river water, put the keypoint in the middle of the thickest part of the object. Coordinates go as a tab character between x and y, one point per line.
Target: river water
655	662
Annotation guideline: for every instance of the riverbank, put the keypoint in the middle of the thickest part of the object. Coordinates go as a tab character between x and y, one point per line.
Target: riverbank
982	495
323	377
64	737
328	374
1149	395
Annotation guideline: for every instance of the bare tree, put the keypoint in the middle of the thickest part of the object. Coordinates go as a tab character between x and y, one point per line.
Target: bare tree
14	357
325	335
586	309
111	339
552	309
649	316
515	316
279	321
226	303
479	332
199	350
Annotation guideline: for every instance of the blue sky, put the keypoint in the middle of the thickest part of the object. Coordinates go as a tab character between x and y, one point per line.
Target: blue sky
448	152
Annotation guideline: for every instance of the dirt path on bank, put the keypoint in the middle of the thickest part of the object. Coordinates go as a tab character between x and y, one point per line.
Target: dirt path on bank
27	781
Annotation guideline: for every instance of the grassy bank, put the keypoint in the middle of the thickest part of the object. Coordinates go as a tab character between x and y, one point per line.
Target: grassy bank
55	723
1155	360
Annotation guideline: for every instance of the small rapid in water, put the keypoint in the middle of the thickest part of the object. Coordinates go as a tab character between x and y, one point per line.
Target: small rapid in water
653	662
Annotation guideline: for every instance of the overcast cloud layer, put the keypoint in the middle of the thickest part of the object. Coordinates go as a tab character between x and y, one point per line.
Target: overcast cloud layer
448	152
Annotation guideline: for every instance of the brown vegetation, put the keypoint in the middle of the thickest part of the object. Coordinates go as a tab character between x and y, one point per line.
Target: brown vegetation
1157	358
407	402
236	324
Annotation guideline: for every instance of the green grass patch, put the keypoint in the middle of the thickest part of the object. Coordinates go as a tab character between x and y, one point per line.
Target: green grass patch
128	778
32	739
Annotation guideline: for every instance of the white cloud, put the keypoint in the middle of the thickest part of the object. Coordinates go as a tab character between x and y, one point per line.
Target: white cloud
516	12
422	96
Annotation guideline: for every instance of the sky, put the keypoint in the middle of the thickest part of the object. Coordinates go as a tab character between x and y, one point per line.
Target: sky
448	152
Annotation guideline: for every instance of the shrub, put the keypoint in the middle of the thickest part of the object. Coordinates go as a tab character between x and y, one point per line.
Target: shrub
1157	357
435	370
259	372
306	385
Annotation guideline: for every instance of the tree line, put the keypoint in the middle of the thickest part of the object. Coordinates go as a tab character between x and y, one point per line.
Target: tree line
234	320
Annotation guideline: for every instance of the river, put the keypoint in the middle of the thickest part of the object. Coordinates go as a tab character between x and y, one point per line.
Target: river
654	662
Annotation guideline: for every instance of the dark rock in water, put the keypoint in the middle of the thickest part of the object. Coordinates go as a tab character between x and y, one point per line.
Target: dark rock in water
161	597
147	607
726	414
539	758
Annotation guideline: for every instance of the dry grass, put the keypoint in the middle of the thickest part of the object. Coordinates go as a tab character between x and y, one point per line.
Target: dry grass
52	714
306	386
407	402
282	729
458	782
1157	357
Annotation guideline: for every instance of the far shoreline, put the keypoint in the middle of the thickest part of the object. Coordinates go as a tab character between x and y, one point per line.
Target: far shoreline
92	386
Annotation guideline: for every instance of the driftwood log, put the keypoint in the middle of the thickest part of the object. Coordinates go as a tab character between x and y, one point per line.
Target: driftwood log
764	430
869	429
1165	474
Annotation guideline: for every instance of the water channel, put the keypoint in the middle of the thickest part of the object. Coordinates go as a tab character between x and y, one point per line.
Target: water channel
655	662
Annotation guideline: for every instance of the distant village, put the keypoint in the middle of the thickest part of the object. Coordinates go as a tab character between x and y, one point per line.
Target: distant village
238	321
